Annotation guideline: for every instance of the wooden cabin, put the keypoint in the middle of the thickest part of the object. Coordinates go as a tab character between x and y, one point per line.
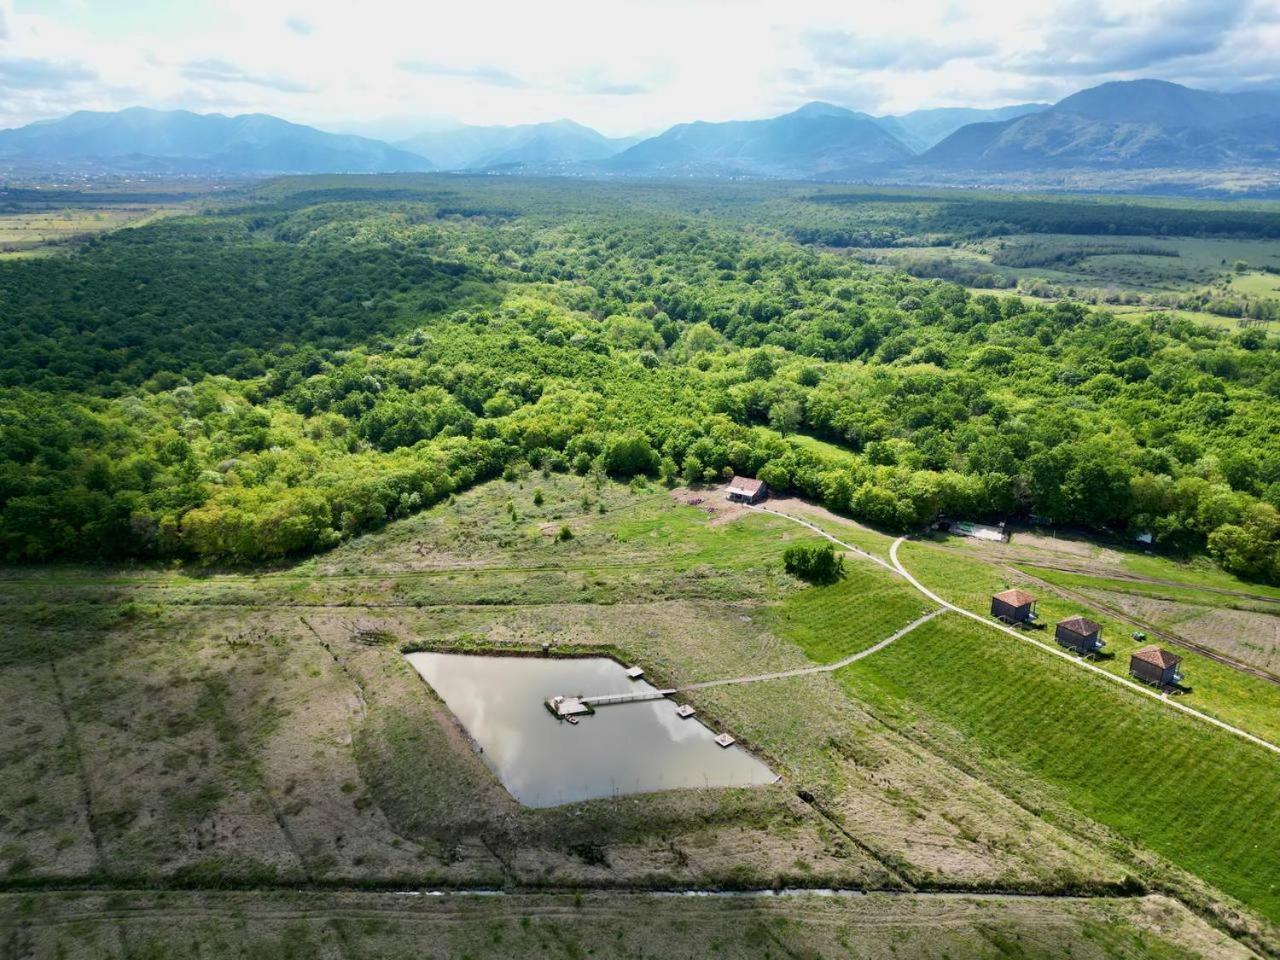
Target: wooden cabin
1079	634
1155	665
1014	606
745	490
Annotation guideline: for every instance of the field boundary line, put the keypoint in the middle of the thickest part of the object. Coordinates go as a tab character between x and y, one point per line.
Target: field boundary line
1163	633
1084	665
1138	579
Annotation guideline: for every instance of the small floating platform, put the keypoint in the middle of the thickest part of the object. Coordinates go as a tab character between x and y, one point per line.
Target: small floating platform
567	707
684	711
634	673
572	719
724	740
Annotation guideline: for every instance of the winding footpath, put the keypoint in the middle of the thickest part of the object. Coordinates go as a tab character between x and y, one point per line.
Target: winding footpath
897	567
821	668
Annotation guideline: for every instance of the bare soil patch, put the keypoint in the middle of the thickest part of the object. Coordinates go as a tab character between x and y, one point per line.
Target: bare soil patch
1245	635
713	501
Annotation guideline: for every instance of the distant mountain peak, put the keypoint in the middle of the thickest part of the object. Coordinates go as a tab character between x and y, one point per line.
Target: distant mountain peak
821	108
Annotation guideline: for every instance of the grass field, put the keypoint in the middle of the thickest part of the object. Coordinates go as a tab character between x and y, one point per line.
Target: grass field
832	622
205	730
1256	283
1199	573
1087	261
1203	801
241	728
41	232
1187	265
354	926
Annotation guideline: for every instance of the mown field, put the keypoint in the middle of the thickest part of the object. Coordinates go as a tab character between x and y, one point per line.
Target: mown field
833	621
1214	688
180	706
1177	786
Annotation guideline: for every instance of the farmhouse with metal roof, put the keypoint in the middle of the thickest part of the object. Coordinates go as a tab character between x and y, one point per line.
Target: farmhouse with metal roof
746	490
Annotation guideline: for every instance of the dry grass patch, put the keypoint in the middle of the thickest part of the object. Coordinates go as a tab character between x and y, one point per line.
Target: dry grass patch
604	926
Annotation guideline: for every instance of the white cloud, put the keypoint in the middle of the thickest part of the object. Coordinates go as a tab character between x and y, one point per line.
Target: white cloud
479	73
620	66
222	72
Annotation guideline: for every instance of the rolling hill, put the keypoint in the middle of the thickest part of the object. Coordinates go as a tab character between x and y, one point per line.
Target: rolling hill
179	141
537	146
817	140
1130	124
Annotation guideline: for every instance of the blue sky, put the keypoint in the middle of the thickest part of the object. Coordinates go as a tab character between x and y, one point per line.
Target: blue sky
388	68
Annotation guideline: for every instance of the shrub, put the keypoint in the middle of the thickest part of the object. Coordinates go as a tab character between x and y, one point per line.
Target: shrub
814	563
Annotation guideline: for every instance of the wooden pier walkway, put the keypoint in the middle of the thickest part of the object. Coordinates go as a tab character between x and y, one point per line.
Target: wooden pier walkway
609	699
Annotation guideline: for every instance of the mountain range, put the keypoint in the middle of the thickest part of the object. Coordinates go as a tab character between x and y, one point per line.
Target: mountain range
1134	124
178	141
540	145
1141	125
921	129
817	140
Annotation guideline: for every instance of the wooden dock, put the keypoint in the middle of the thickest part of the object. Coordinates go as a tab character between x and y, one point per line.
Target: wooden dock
610	699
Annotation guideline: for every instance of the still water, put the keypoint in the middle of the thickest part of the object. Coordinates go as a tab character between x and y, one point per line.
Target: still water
542	761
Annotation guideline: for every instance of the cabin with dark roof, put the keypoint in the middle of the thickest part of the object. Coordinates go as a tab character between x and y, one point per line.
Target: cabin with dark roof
1079	634
745	490
1014	606
1155	665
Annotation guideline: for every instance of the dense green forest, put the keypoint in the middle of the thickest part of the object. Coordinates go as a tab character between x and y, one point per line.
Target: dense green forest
316	356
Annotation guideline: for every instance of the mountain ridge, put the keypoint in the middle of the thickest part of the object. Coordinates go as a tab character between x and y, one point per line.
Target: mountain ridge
922	129
556	143
1126	124
1138	128
184	141
813	140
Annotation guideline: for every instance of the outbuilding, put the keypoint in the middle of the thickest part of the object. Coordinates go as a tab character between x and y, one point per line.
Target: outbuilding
1155	665
1080	634
745	490
1014	606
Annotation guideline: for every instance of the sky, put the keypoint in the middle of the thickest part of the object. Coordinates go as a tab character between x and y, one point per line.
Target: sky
390	69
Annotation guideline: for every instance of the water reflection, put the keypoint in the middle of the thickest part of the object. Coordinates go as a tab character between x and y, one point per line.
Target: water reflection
629	748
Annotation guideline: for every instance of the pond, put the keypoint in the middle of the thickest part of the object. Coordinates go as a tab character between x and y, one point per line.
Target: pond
544	762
